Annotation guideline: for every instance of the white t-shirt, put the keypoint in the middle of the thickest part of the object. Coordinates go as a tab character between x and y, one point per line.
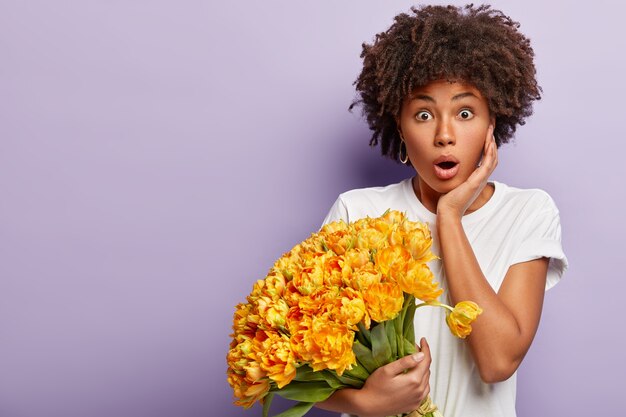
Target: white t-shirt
515	225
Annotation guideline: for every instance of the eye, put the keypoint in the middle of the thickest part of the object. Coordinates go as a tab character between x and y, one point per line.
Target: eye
466	114
423	116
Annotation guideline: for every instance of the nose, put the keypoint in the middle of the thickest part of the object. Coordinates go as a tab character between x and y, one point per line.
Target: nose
444	135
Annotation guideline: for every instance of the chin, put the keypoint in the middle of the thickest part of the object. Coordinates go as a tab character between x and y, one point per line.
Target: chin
442	186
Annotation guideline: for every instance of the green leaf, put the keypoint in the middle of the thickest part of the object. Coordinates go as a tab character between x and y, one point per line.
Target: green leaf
351	381
305	373
381	350
332	379
409	347
364	356
297	410
306	391
267	401
358	371
392	338
409	323
365	334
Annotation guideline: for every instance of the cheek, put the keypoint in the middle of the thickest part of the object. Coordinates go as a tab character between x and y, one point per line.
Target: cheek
477	149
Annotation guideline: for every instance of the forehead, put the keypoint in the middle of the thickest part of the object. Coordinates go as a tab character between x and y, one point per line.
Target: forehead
443	88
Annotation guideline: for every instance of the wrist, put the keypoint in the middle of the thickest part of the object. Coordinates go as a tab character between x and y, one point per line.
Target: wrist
361	403
445	217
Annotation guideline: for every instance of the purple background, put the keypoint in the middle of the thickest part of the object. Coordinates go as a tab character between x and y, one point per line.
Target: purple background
156	157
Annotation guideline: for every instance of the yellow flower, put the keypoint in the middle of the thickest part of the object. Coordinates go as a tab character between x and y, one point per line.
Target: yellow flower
276	313
418	241
241	323
309	276
245	375
332	270
318	302
339	241
356	258
362	278
274	285
392	259
461	318
350	308
324	344
383	301
370	239
275	357
313	244
419	281
393	216
254	373
361	224
334	227
285	264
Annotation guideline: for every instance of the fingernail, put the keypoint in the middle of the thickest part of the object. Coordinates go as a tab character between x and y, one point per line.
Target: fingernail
418	357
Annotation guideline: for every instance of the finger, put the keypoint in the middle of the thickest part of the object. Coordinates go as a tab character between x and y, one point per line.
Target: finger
489	137
493	155
423	346
489	160
486	146
408	362
424	365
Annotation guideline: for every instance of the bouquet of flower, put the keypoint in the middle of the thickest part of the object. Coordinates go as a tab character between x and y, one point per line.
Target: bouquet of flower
335	308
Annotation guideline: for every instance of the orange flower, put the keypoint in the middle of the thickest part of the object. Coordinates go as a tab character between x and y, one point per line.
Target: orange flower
309	276
370	239
418	241
356	258
275	357
461	318
350	308
392	259
383	301
332	270
324	344
334	227
275	313
339	241
245	376
241	323
393	216
419	281
247	393
364	277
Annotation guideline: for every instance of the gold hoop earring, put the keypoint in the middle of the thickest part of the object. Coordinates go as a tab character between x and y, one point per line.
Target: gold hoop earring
406	154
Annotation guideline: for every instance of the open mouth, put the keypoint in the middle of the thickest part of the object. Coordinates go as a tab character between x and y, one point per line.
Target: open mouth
447	165
445	170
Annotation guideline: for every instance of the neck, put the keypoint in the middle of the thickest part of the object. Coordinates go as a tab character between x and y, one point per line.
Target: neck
429	197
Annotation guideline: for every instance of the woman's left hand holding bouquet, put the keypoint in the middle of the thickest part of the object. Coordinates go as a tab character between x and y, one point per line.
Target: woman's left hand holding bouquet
398	387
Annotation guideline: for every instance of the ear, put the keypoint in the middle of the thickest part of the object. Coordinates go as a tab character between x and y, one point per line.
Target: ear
398	127
492	120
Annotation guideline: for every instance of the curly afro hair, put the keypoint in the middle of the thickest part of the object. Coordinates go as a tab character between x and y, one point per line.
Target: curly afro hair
477	45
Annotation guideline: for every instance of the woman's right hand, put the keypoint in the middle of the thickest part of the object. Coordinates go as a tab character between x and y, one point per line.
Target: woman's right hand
398	387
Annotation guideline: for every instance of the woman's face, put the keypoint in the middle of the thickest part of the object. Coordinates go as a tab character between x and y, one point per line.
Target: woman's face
444	125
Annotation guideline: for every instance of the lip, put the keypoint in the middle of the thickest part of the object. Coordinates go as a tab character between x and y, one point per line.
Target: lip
445	158
446	174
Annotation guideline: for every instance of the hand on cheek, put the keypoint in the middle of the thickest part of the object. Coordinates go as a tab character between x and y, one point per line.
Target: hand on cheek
457	201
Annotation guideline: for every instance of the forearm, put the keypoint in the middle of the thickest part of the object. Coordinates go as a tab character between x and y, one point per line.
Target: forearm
345	400
494	341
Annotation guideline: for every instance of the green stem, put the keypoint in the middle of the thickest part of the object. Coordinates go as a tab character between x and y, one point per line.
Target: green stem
434	304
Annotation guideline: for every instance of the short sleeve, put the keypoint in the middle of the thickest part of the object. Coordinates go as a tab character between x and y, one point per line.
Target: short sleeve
337	212
543	239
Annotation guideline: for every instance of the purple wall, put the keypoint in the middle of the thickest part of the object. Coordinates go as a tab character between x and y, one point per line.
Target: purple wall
156	157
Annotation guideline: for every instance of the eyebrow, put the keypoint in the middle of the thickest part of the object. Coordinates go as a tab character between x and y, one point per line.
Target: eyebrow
432	100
